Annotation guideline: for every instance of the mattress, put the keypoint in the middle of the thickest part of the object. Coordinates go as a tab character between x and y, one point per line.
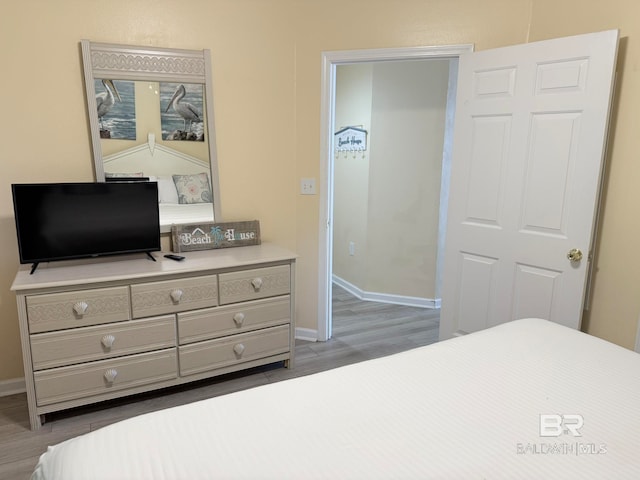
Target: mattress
527	399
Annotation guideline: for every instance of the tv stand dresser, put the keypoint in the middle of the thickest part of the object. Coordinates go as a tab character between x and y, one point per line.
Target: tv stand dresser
98	329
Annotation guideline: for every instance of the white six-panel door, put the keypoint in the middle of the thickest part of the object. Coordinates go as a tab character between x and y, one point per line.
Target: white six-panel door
529	139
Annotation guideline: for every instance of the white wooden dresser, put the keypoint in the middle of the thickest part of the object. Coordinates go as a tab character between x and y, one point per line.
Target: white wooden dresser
98	329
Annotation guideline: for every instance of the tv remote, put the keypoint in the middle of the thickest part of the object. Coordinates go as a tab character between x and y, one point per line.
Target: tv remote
177	258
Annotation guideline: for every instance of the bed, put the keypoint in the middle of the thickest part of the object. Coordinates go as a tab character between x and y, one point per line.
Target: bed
184	183
527	399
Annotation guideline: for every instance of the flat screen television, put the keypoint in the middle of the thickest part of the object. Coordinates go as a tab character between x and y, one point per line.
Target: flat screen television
60	221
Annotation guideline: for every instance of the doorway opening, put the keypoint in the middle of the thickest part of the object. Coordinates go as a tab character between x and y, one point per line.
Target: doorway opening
376	234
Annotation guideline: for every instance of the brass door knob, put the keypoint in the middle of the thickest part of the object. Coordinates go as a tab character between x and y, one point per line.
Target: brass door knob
574	255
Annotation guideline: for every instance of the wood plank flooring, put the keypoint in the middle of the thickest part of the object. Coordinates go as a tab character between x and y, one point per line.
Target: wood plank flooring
361	331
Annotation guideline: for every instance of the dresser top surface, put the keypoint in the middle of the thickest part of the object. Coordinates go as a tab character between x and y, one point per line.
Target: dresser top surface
139	266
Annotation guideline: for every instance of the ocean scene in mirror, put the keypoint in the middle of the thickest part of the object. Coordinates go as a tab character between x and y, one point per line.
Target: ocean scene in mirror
116	108
181	111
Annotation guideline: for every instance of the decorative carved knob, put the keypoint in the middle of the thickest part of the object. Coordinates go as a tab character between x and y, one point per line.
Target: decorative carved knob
176	295
257	283
110	375
238	318
81	308
108	340
239	349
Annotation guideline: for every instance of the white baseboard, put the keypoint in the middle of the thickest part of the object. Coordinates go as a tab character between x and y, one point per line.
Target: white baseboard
12	386
307	334
386	297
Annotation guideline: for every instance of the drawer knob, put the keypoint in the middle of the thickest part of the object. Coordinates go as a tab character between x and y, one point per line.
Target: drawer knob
110	375
81	308
176	295
238	349
257	283
108	340
238	318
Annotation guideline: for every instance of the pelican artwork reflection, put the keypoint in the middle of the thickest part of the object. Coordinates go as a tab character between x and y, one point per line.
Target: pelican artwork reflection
105	102
189	113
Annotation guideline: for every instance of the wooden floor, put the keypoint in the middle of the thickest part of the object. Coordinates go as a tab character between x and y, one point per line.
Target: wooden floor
361	331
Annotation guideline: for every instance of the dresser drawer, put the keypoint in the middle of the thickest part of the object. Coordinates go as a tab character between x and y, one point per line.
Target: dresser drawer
226	351
171	296
254	284
56	349
57	311
95	378
237	318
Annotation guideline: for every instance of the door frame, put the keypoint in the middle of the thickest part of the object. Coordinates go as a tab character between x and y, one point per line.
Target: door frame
330	61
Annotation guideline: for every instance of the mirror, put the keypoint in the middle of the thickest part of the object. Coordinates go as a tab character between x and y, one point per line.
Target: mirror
151	117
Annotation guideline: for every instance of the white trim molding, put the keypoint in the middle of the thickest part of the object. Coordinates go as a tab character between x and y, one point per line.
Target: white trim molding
306	334
386	297
638	337
12	386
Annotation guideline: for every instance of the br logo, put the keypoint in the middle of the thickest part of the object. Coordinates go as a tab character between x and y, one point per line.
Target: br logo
554	425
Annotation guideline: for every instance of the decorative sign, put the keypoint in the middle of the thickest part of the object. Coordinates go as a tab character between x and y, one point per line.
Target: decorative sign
208	236
350	139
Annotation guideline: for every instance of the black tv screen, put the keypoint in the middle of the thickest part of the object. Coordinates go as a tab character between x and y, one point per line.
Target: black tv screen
57	221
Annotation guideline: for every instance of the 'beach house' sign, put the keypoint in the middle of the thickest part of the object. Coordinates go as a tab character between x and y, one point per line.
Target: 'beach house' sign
350	139
207	236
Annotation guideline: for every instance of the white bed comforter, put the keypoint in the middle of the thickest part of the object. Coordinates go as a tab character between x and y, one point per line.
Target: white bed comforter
467	408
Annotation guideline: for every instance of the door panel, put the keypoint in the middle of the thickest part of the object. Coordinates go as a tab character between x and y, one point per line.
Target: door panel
529	140
487	170
477	278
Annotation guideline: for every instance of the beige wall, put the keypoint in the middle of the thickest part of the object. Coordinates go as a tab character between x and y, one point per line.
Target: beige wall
408	119
266	79
615	301
386	200
354	85
47	138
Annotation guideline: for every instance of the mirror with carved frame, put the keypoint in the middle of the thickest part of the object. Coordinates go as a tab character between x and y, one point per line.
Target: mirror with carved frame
152	149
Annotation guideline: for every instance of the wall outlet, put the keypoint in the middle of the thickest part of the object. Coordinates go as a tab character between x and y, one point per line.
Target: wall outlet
352	248
308	186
